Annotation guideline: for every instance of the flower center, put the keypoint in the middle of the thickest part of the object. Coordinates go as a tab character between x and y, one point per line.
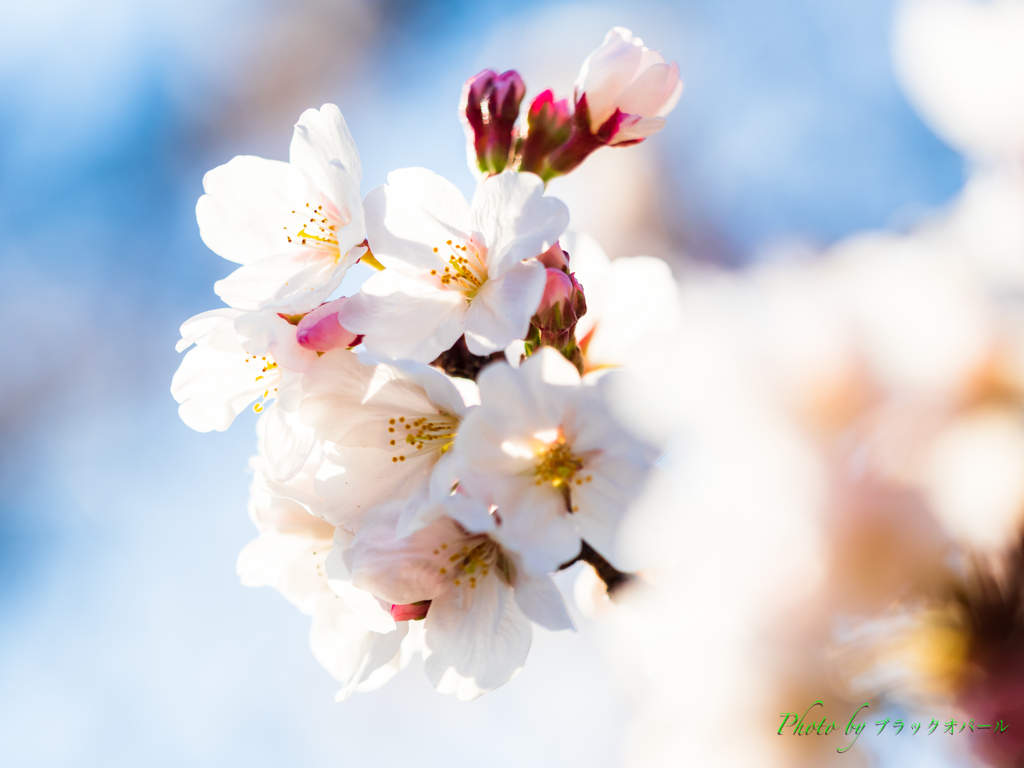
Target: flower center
269	374
472	560
317	228
421	435
463	267
558	465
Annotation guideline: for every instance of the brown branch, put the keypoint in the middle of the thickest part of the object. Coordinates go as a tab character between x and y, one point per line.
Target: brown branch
609	574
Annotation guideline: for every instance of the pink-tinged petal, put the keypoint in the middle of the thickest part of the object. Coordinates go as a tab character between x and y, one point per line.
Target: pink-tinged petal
400	571
607	72
267	333
651	92
321	330
412	612
502	309
554	257
558	289
475	639
634	128
287	561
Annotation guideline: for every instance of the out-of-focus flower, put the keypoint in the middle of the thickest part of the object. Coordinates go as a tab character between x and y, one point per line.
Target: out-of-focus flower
290	555
295	227
321	331
477	631
545	450
452	268
240	357
962	64
391	427
962	649
489	110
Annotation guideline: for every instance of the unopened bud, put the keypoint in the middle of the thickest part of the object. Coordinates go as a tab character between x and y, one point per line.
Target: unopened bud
549	124
321	330
411	612
489	110
561	307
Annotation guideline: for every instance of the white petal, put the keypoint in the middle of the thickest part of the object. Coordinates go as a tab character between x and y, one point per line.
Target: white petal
476	639
540	600
246	204
298	281
290	562
214	383
403	318
535	524
416	212
200	328
286	443
322	136
345	648
516	219
500	313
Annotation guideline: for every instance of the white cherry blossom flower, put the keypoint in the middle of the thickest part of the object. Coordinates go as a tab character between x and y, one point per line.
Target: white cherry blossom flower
238	358
289	555
391	426
452	268
477	633
545	449
628	88
296	226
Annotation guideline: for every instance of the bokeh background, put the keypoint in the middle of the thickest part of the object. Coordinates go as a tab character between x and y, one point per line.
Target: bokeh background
125	637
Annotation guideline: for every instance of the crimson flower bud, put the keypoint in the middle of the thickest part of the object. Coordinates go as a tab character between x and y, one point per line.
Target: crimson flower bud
489	110
549	123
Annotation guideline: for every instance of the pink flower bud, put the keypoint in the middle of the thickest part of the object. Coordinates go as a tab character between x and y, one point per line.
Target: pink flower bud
489	110
557	291
411	612
321	330
554	257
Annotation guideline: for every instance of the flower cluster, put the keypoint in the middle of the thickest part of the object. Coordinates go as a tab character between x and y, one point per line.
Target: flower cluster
434	447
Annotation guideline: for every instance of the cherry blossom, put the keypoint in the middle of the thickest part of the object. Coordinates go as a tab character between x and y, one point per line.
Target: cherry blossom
545	449
295	227
391	426
453	268
289	555
477	633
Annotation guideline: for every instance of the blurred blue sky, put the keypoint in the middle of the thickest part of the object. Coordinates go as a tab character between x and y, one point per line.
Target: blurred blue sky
125	638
